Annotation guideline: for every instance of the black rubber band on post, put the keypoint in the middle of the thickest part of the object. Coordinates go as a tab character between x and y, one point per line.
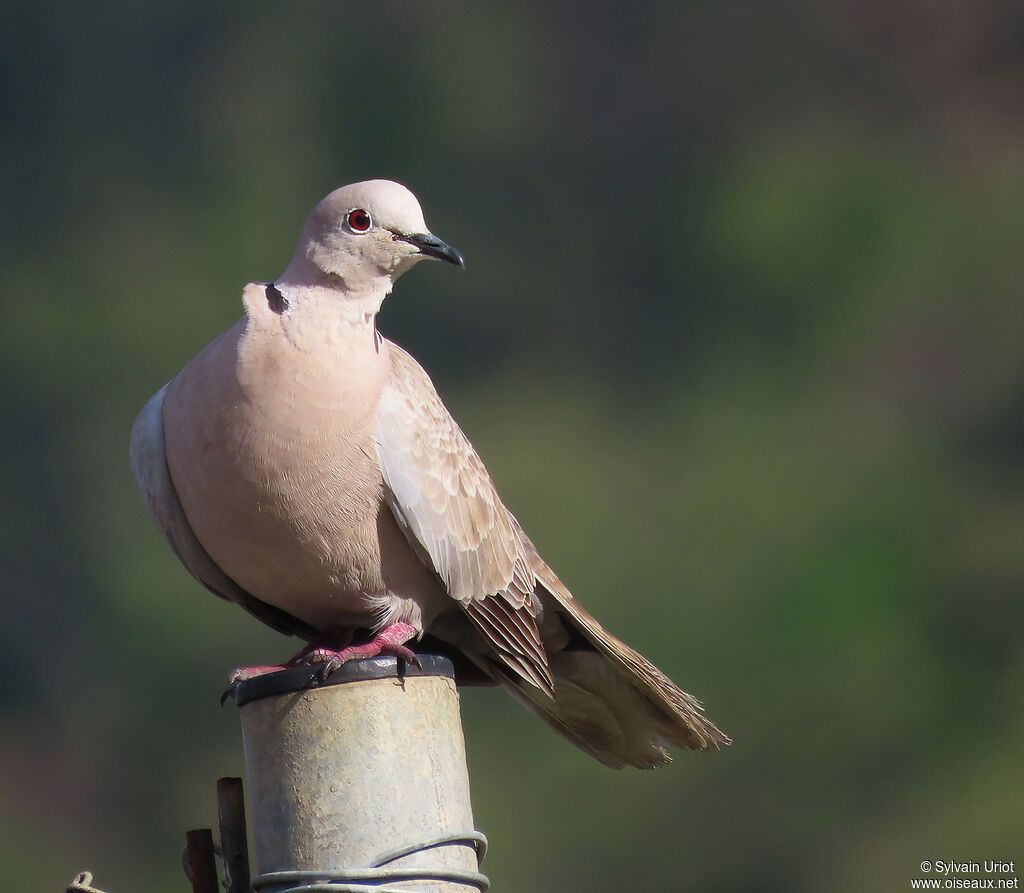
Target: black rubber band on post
295	679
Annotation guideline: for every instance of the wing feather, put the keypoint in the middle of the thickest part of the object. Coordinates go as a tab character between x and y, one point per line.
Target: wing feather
447	506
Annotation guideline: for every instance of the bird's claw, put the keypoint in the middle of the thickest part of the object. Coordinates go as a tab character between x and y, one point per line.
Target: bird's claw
329	661
243	674
325	660
328	667
408	655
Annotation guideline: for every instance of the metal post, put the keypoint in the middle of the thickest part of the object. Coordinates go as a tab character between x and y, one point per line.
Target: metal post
359	781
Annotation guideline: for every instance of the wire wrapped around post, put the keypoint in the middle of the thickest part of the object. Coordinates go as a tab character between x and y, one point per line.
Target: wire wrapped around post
359	782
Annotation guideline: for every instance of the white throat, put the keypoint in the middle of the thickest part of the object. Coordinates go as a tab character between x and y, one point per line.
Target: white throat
334	302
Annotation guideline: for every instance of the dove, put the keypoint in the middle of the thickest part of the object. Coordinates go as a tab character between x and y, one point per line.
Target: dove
303	466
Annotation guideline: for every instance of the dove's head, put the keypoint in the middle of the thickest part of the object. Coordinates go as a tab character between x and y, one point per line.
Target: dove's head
362	237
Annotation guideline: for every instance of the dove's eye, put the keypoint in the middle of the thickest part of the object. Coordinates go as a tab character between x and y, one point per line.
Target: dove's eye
358	220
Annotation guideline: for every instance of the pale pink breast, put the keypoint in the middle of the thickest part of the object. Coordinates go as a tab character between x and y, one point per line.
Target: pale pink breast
272	452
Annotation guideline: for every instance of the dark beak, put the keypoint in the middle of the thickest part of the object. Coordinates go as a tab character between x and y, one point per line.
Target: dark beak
432	246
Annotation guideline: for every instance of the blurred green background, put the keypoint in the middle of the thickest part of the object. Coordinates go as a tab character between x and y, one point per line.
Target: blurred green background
741	339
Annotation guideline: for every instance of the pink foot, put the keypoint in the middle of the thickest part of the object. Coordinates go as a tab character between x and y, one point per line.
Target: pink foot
388	641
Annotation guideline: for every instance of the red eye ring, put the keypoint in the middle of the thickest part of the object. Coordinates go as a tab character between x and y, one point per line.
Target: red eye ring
359	220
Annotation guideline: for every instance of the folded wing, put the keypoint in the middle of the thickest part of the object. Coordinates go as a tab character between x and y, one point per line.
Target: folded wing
446	504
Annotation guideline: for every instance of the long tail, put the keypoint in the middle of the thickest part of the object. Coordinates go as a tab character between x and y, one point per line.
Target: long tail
609	700
614	703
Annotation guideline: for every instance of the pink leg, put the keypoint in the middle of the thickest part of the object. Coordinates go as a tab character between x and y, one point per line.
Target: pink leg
390	640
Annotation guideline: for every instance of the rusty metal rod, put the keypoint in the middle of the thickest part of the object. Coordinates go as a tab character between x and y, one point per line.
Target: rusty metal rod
200	864
234	846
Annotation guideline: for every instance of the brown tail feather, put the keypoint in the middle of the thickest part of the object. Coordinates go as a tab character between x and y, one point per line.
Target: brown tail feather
609	700
682	721
677	716
597	710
